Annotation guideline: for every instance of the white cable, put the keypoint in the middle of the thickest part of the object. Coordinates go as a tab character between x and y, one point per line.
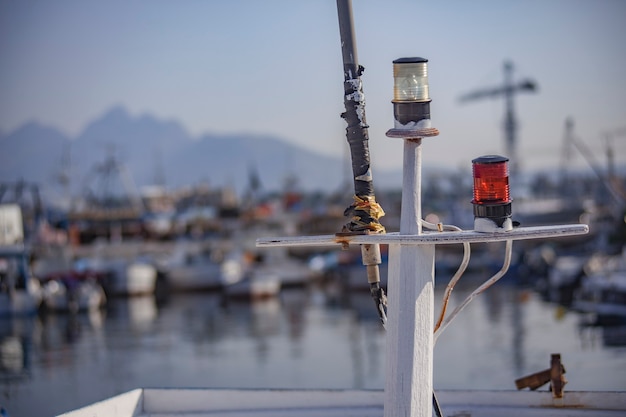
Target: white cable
477	291
455	278
459	272
438	226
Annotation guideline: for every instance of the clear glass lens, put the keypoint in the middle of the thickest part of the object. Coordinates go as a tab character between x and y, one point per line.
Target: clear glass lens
410	81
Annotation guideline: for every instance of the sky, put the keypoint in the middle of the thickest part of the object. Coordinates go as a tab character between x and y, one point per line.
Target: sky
274	67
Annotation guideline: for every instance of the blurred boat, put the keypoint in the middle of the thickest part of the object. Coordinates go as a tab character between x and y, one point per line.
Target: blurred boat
136	277
73	294
20	293
603	290
254	286
564	277
243	278
123	276
200	267
288	270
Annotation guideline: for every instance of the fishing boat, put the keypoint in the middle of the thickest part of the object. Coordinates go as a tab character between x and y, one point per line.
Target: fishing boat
134	277
256	285
603	290
192	267
288	270
243	279
564	277
604	295
71	293
408	315
253	275
67	285
124	276
20	292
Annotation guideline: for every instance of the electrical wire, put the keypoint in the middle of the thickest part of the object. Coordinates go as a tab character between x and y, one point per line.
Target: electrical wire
459	272
455	278
479	290
441	324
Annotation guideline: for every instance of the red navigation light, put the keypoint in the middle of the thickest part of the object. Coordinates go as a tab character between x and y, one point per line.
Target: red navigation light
492	201
491	180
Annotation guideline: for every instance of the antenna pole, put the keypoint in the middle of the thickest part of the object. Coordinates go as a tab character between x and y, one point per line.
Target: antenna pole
364	212
354	100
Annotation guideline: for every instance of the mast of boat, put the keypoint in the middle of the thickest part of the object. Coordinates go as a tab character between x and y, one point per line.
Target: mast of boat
410	330
410	286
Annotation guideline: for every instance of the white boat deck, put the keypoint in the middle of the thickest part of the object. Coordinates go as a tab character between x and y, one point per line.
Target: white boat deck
345	403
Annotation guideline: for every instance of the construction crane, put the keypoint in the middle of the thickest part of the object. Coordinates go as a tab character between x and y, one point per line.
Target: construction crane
508	91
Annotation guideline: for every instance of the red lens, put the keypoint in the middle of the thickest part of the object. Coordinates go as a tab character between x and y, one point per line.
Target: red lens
491	180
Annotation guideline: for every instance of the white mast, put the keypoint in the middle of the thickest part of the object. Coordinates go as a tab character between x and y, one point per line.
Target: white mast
410	311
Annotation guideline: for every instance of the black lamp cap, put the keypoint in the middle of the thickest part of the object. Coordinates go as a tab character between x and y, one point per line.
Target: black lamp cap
413	60
490	159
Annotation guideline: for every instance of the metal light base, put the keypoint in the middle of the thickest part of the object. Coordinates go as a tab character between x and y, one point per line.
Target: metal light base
412	133
485	225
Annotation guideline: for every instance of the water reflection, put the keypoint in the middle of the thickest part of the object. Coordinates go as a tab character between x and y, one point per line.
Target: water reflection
16	341
307	338
606	335
139	312
613	336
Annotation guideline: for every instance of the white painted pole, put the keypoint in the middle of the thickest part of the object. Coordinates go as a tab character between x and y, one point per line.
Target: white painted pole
409	345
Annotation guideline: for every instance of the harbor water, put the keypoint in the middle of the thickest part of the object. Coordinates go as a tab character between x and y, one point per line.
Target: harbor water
312	337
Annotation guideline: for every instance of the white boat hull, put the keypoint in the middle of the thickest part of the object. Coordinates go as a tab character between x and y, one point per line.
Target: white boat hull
604	293
87	296
194	278
136	278
335	403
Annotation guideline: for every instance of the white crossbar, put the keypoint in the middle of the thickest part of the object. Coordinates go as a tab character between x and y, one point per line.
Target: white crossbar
428	238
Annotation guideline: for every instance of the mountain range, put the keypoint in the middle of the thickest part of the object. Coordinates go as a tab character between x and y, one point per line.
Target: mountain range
162	152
